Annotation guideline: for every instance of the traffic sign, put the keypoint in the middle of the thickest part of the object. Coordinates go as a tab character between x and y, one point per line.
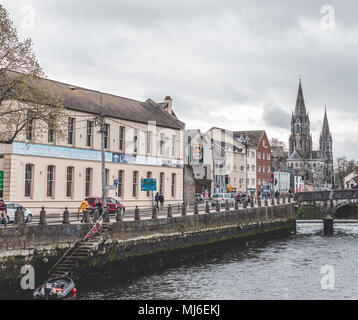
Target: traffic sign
1	180
148	185
111	187
115	182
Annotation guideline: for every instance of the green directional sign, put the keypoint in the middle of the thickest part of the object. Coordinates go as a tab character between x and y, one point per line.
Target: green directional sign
1	180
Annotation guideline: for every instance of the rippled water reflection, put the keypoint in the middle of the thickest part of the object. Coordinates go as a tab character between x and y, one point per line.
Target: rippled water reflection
288	268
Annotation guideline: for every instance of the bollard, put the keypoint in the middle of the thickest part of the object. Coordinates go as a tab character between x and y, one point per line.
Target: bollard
252	204
170	211
154	213
196	209
272	201
284	200
66	217
119	214
259	202
183	210
207	207
136	214
42	216
227	206
328	225
95	216
236	205
289	199
217	206
106	216
19	217
266	202
244	205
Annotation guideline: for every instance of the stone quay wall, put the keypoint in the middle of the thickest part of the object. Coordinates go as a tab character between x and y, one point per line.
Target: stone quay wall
42	245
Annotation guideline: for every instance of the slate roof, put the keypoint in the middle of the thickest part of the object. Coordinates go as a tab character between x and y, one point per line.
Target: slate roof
255	136
86	100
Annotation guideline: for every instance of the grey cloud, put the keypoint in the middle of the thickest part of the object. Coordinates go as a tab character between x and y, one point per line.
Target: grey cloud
229	55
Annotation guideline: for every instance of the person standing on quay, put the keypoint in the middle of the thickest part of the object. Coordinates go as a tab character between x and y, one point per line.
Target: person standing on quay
157	199
161	199
3	211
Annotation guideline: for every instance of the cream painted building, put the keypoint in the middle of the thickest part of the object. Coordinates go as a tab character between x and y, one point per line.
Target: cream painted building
232	157
142	140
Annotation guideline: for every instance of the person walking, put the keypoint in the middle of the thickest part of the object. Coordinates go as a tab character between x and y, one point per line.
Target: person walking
3	210
157	199
83	207
161	200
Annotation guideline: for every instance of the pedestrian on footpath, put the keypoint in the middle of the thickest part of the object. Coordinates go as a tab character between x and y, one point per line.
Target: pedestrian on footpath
161	199
3	211
157	199
83	207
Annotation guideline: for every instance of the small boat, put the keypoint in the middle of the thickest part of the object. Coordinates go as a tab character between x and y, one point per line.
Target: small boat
55	288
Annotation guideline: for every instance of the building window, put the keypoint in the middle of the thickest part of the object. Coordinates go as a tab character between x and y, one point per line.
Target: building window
161	183
258	181
149	141
120	183
173	185
263	168
89	136
106	135
30	126
51	131
263	143
135	184
50	181
252	154
71	130
161	144
258	168
258	155
268	156
268	169
135	141
28	180
174	138
149	175
121	138
88	182
69	182
253	182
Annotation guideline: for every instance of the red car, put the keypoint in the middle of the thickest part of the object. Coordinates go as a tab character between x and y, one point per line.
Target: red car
112	204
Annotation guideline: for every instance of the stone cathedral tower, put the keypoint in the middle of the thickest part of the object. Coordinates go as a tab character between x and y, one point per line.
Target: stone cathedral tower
325	146
300	138
315	166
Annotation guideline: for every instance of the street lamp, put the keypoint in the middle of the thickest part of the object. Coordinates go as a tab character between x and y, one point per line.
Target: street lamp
245	142
102	131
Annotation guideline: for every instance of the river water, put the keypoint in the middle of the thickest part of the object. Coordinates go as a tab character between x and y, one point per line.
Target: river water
307	265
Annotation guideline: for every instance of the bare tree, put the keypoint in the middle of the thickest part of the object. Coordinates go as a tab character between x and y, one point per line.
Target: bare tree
24	103
342	168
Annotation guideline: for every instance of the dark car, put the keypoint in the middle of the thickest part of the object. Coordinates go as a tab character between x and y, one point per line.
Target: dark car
112	204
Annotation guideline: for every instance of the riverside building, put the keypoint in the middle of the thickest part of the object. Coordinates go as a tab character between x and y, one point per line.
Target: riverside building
142	140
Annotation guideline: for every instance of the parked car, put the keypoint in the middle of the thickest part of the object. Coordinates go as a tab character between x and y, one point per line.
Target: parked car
222	197
241	196
112	204
11	209
199	197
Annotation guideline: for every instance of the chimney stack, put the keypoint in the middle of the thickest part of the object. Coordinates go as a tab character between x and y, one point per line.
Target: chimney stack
168	100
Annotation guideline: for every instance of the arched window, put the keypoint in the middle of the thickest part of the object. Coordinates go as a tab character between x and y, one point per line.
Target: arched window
29	172
50	181
69	182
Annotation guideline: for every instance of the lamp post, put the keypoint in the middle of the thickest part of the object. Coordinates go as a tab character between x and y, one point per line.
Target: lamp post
103	163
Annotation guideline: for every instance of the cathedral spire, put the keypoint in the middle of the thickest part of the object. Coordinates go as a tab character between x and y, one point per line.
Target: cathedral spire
300	102
325	126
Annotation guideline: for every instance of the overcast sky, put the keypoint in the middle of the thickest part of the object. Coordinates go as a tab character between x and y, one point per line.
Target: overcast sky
230	63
